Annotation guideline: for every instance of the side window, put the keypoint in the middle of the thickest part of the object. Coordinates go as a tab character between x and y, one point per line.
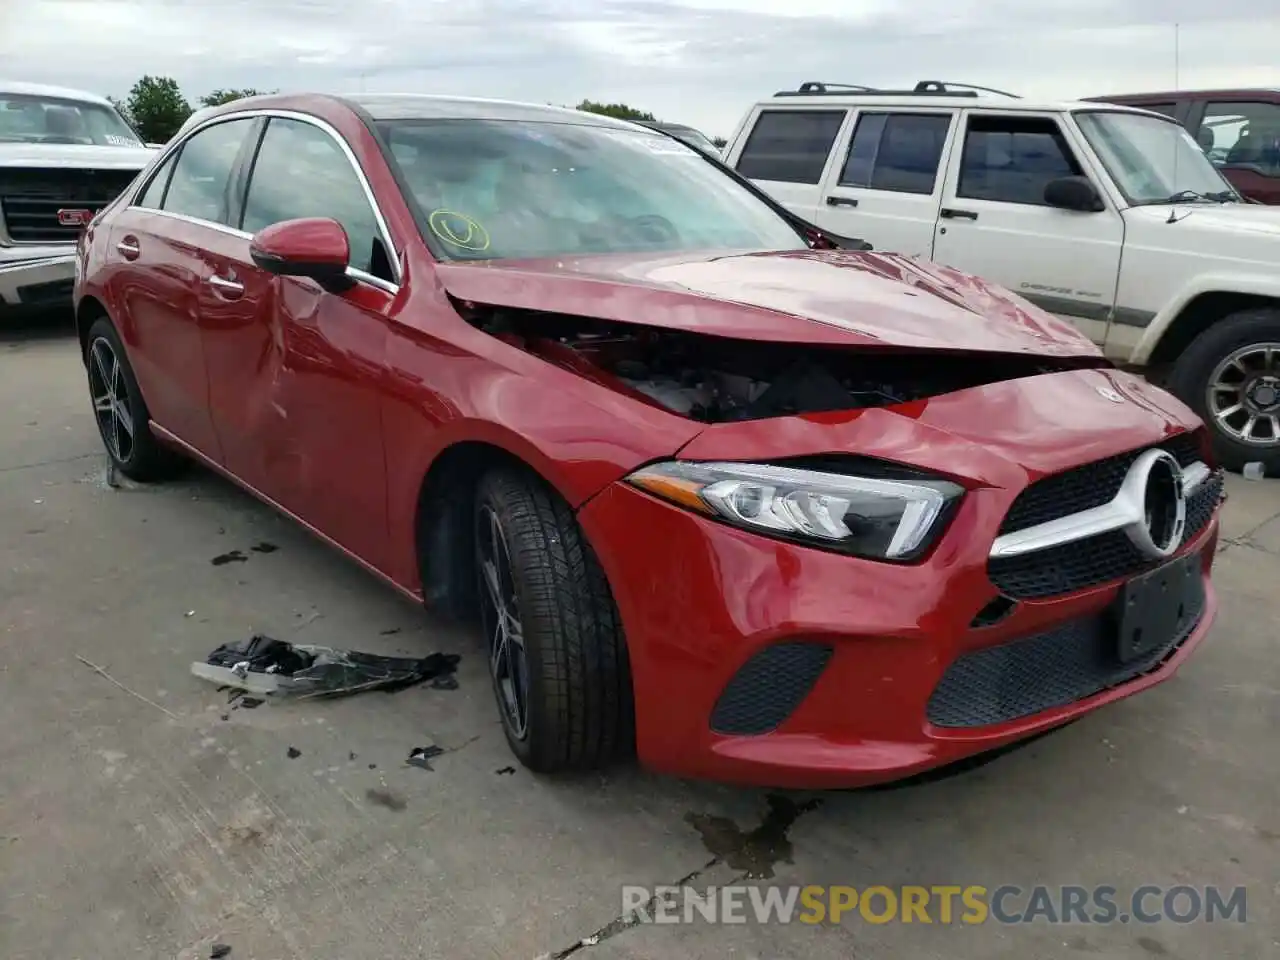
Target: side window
790	146
199	185
1011	159
154	193
1168	109
301	172
1243	134
896	151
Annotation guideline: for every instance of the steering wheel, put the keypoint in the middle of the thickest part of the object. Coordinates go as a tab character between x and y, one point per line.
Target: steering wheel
654	227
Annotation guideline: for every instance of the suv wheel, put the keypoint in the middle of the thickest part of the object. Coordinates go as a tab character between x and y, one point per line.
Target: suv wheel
1230	376
121	414
556	653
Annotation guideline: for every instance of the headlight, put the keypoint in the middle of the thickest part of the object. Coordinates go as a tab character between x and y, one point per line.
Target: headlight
885	519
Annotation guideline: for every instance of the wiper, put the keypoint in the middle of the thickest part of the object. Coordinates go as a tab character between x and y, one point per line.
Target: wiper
1187	196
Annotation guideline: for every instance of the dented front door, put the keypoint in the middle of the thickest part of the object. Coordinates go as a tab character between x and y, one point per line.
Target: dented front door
294	385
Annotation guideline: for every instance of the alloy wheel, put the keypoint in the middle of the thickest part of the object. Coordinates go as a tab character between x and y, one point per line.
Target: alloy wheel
1244	394
111	400
500	616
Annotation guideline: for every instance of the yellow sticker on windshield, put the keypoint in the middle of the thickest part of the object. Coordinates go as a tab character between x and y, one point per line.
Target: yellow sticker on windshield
459	230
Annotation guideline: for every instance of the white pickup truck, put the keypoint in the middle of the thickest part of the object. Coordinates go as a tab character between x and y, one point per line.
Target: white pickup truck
64	155
1108	216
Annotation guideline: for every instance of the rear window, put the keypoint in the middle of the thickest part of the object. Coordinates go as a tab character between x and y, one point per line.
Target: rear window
790	146
896	151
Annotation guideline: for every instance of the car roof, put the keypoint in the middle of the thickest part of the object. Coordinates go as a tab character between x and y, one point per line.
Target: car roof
48	90
950	103
930	94
1165	96
420	106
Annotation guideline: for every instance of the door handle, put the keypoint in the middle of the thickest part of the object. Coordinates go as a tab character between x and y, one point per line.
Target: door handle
841	202
128	248
952	214
229	288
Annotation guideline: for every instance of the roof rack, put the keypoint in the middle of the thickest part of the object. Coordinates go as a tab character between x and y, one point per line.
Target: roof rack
925	88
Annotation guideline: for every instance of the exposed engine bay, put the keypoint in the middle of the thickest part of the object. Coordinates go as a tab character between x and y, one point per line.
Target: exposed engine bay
715	379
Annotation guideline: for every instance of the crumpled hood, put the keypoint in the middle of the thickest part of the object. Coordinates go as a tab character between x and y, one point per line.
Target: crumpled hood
829	297
74	156
1004	434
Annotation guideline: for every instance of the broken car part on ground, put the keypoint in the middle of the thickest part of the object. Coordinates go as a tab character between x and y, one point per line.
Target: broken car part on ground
267	666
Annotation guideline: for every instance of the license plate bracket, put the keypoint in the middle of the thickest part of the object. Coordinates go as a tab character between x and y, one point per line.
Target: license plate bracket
1151	608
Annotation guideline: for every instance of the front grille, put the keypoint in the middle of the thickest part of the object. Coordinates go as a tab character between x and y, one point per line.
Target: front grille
1095	560
768	687
30	200
1083	488
1047	670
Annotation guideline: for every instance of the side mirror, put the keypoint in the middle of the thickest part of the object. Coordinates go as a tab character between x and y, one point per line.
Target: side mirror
1073	193
314	247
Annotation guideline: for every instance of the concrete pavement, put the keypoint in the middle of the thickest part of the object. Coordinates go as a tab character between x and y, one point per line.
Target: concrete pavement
157	821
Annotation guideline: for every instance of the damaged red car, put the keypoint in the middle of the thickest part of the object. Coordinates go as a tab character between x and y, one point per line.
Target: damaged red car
754	502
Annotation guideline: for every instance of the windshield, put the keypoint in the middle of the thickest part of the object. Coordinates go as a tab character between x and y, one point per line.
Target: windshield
1152	160
503	189
31	119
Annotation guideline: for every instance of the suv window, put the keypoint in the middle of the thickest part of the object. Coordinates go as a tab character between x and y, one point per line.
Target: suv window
790	146
1010	159
154	194
896	151
300	171
1243	134
198	187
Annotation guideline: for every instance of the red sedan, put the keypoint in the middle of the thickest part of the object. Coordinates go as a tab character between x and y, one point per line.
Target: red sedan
756	503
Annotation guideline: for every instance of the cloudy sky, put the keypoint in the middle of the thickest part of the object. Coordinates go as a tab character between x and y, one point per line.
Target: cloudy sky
699	61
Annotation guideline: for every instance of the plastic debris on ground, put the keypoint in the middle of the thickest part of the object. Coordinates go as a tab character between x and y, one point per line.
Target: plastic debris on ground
264	666
421	756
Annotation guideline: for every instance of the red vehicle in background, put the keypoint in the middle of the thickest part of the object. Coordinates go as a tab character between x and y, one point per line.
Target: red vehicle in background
719	487
1238	129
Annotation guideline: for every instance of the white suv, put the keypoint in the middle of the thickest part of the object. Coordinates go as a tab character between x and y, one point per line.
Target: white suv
1106	215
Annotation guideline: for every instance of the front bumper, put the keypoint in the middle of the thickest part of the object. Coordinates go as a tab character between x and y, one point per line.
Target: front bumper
36	277
828	671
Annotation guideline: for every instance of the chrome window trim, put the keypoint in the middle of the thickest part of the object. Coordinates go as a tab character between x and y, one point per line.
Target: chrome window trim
352	272
1124	511
384	232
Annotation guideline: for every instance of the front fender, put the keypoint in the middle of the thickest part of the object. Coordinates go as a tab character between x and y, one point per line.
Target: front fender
577	435
1250	282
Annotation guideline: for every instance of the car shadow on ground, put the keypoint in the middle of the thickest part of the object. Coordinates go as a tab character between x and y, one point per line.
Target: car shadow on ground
35	327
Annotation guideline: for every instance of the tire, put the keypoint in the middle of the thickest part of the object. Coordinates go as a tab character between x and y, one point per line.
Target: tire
1197	368
137	455
578	699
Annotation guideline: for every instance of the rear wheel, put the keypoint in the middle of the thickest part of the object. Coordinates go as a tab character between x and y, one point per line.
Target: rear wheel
1230	375
556	653
119	410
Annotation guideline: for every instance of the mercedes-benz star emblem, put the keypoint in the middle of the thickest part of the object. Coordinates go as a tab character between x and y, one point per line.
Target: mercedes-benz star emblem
1108	394
1155	482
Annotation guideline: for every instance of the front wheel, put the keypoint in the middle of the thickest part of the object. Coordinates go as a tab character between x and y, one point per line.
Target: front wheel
1230	376
556	653
119	410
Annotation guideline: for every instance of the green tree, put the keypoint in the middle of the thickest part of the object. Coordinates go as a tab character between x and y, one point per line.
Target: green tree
157	108
218	97
122	108
619	111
